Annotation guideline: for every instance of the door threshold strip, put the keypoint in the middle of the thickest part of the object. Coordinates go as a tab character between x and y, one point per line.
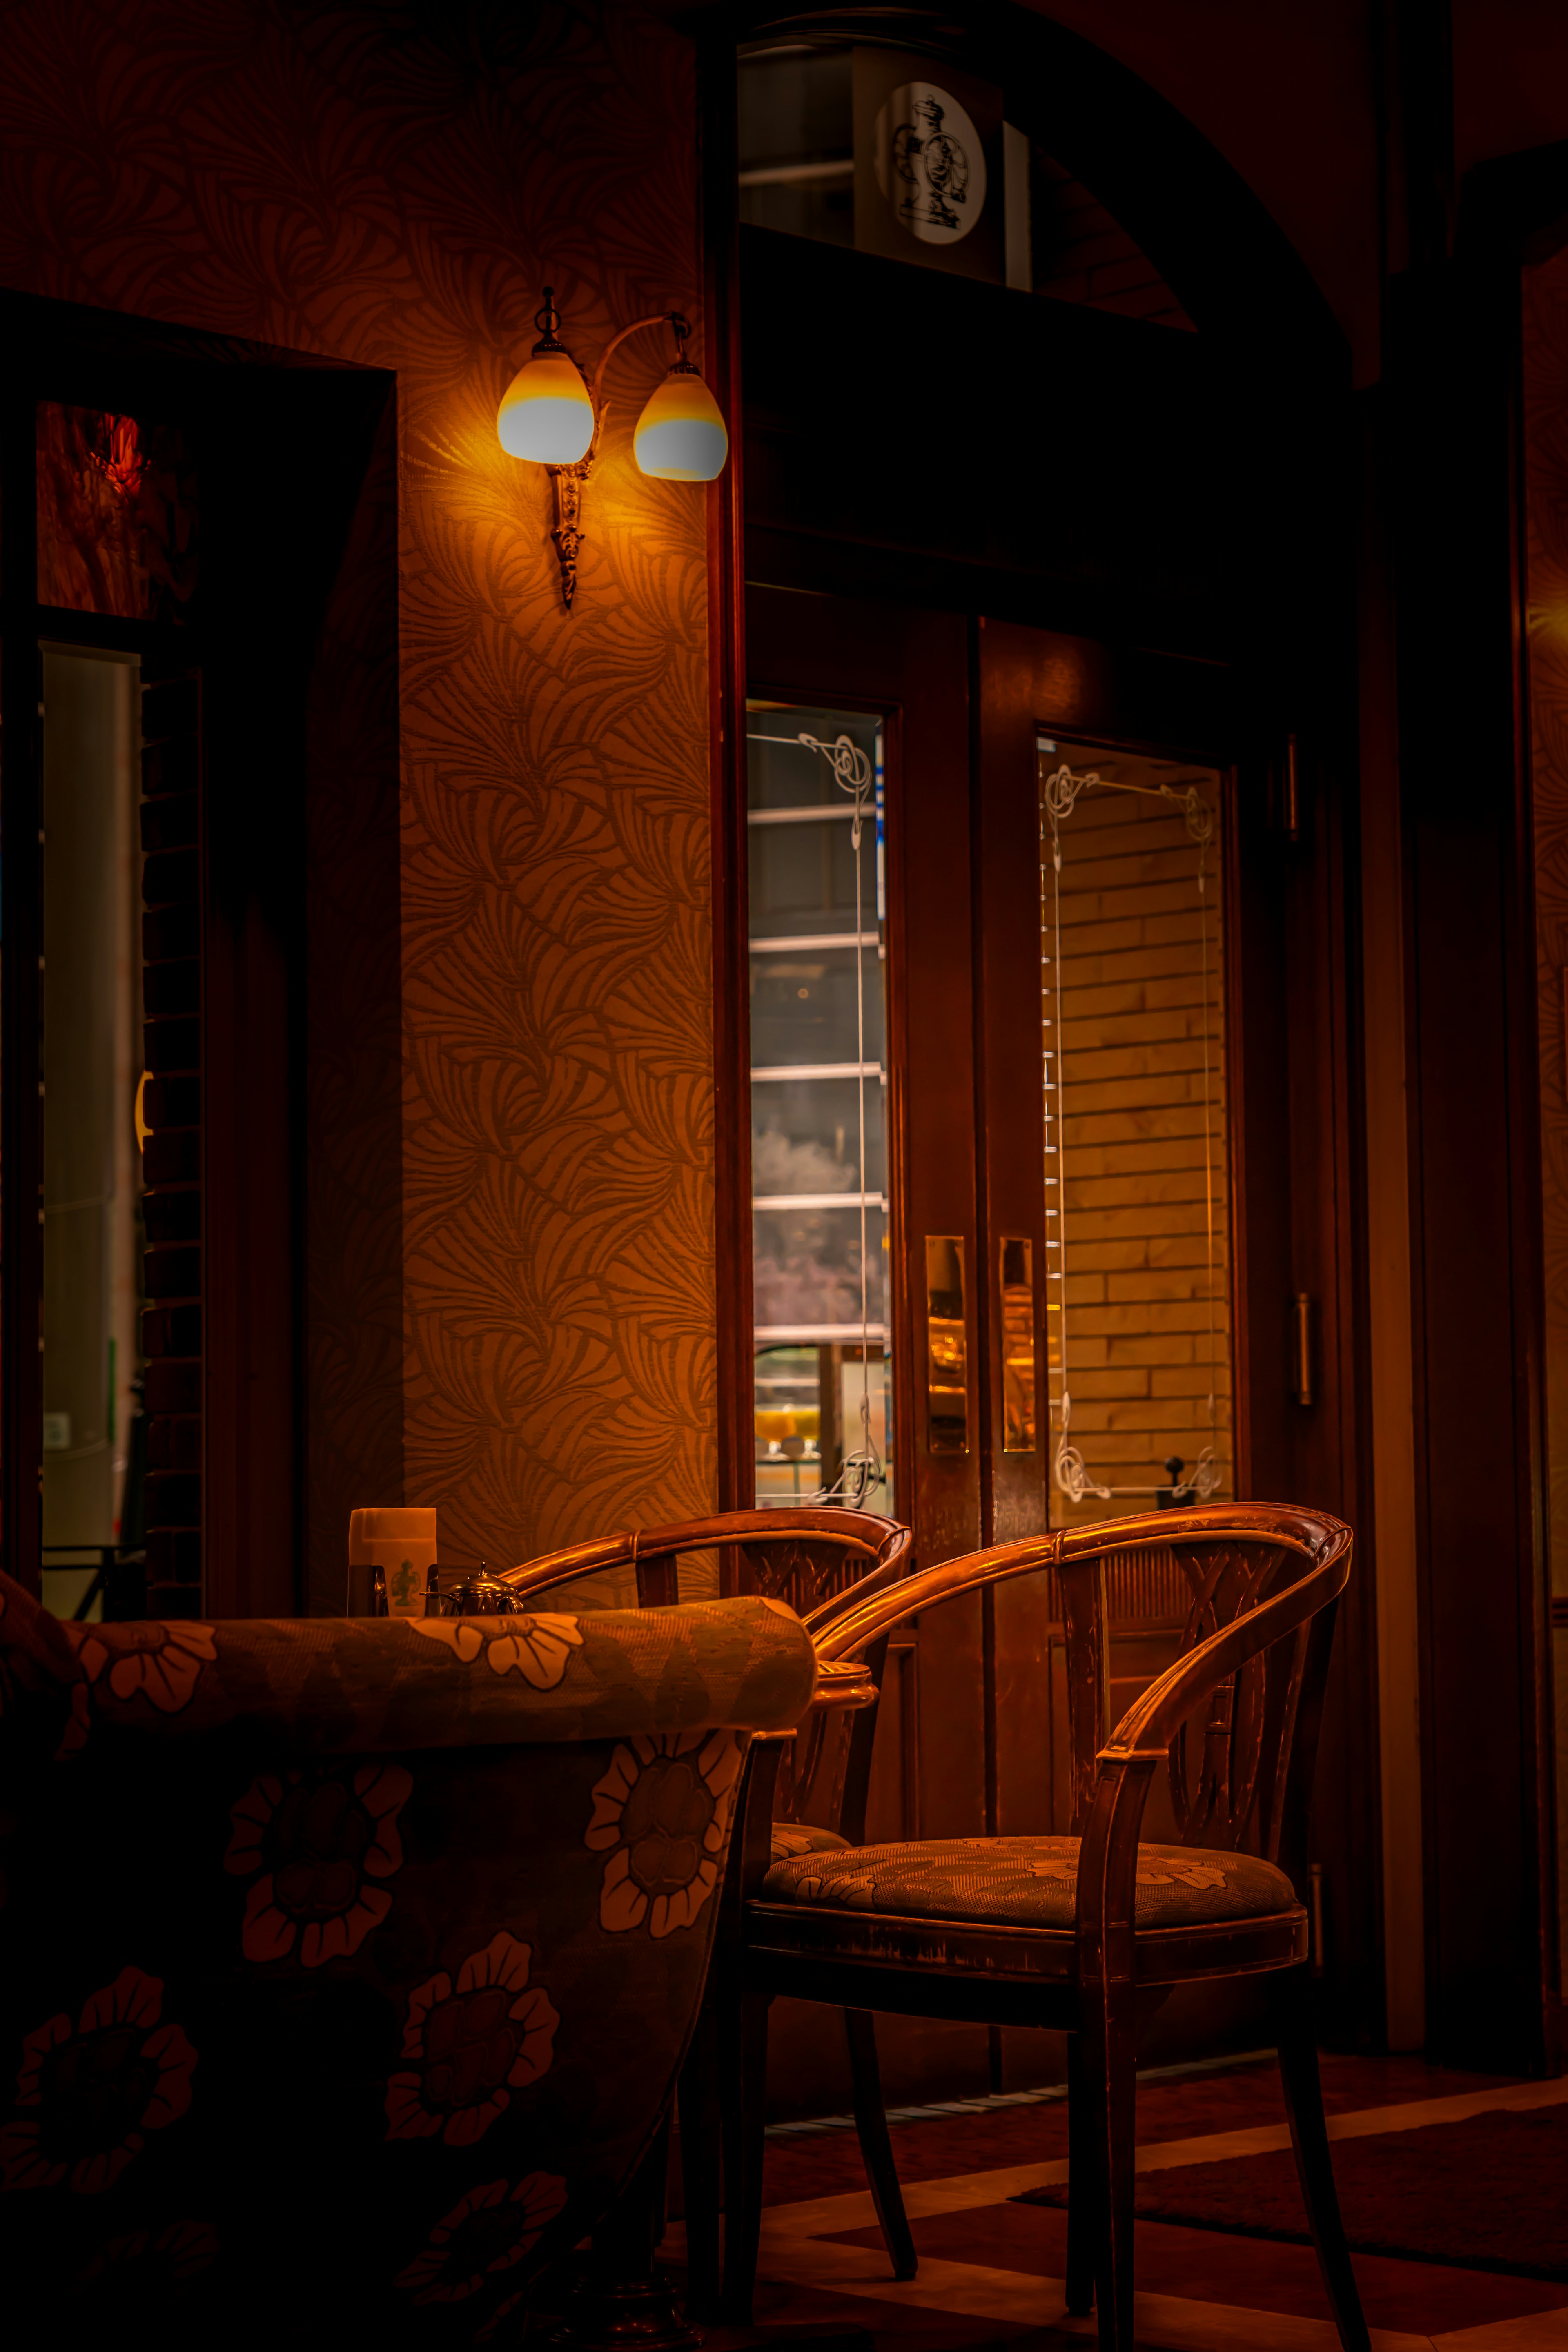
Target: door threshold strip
999	2102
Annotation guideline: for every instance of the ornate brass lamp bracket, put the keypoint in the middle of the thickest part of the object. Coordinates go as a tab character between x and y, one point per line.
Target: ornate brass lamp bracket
567	529
570	481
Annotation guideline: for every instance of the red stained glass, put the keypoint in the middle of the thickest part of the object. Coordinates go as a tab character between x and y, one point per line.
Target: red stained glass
117	515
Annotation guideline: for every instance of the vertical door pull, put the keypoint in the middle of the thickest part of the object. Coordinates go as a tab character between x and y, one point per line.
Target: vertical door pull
1302	1349
1291	795
1016	1321
947	1347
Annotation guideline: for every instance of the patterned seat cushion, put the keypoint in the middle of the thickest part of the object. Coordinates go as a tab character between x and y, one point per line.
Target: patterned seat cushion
793	1839
1024	1881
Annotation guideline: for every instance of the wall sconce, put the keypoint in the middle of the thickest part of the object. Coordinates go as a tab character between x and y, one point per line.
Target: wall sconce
552	417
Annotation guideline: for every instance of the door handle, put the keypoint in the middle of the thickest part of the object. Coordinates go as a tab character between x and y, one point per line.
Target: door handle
1015	1322
947	1345
1302	1349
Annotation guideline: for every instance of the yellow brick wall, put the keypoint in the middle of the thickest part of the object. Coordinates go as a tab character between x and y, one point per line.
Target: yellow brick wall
1146	1344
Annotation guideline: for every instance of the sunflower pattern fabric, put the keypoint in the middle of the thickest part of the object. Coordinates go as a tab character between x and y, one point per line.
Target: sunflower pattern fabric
1024	1881
346	1965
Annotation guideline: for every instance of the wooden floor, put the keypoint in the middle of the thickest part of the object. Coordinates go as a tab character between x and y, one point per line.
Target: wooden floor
991	2270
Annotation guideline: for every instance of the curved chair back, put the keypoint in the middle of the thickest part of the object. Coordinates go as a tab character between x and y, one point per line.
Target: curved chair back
1240	1756
810	1557
821	1561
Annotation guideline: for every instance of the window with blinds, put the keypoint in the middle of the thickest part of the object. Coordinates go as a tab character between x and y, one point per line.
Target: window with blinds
818	1097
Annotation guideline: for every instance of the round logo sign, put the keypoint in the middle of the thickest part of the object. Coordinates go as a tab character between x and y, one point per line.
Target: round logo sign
931	166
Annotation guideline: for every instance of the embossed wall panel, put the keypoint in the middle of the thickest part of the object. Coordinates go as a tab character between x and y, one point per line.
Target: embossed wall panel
392	187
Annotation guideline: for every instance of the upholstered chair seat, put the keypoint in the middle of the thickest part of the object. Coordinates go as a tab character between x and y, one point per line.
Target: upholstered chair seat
978	1889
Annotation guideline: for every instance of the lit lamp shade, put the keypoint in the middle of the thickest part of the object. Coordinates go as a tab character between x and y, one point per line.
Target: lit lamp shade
545	412
680	435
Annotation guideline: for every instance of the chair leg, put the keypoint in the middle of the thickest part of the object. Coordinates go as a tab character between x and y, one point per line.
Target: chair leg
876	2147
1083	2211
1109	2034
1310	2138
743	2078
701	2177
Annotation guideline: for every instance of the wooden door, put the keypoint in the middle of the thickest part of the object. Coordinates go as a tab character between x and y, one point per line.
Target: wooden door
975	714
812	653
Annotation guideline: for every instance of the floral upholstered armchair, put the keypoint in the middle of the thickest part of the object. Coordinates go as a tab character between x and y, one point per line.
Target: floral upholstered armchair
346	1965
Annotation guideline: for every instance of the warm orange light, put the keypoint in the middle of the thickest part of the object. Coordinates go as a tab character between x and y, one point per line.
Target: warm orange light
546	412
680	435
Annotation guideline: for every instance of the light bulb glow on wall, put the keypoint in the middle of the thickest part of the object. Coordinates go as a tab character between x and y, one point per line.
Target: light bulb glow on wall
680	435
545	413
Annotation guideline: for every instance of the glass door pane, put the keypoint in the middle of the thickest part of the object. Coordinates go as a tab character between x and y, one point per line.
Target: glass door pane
818	1097
91	1069
1138	1242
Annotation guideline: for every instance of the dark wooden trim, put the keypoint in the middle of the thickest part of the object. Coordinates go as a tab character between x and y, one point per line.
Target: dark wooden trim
101	631
21	1016
1521	1002
1242	1367
785	555
172	1011
906	1419
1488	1763
1333	1439
727	708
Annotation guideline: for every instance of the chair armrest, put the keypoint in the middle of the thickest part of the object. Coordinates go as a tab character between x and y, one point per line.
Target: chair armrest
863	1619
536	1576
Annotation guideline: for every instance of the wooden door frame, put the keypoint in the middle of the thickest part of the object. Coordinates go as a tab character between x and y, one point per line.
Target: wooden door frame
283	442
1450	460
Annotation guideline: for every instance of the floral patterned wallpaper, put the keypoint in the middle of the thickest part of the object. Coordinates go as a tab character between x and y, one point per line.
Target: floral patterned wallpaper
392	186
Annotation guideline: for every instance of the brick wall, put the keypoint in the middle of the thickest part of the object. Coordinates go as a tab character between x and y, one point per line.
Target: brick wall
1141	1188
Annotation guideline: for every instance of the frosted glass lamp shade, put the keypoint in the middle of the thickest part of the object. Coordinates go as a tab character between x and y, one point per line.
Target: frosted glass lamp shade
545	413
680	435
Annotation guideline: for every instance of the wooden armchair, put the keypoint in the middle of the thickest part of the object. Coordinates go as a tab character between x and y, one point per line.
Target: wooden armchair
823	1562
1086	1934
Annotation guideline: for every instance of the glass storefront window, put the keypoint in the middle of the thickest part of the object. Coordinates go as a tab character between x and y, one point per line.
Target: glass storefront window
819	1101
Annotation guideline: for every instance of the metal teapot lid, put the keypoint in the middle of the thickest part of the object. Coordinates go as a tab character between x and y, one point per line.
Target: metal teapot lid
478	1596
